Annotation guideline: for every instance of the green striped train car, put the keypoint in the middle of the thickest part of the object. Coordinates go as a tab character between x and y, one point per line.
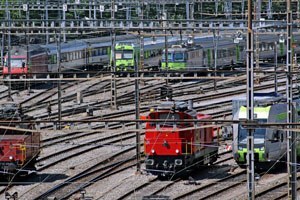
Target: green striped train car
270	144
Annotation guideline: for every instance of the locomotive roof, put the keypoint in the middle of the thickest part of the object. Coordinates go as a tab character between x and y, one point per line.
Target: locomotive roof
21	50
13	137
180	106
168	105
75	45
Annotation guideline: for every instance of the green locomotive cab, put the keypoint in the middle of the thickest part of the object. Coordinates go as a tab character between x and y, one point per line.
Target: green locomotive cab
261	116
125	55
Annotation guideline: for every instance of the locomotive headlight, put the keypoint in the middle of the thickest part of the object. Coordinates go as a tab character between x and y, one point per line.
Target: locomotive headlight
262	148
240	148
149	162
10	157
177	151
152	151
178	162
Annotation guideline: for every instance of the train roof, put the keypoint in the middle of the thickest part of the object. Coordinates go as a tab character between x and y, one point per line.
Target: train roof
75	45
169	105
260	99
22	49
13	137
176	106
149	43
263	97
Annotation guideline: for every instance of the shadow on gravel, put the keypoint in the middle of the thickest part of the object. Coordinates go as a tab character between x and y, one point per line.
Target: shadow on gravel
207	172
197	174
32	179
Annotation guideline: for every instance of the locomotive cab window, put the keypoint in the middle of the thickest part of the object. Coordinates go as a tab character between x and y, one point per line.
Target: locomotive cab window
168	116
187	124
178	56
118	55
16	62
127	55
259	133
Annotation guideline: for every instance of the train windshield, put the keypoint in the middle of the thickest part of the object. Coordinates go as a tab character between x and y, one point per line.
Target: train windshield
124	54
178	56
128	55
118	55
16	62
168	116
259	133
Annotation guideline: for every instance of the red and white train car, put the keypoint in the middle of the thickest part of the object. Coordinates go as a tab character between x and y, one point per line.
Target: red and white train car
19	62
173	147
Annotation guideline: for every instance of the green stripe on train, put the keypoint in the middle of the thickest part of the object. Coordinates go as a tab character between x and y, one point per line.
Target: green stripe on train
174	66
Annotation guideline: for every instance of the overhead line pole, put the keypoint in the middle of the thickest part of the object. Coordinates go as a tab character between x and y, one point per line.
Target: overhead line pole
27	45
59	81
9	53
250	106
113	102
9	63
46	21
291	135
137	66
164	23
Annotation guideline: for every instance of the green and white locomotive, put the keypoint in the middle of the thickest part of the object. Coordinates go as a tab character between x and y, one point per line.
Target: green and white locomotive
126	56
270	145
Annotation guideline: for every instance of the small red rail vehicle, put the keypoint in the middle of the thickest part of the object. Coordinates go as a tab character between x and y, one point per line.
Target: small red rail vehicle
173	146
19	145
18	151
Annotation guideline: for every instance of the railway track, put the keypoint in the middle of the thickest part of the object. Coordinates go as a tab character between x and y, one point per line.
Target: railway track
74	153
206	108
81	148
156	186
116	114
202	98
87	177
275	190
208	190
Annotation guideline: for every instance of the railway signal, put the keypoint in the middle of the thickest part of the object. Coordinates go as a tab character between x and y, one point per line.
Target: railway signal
65	7
101	8
25	7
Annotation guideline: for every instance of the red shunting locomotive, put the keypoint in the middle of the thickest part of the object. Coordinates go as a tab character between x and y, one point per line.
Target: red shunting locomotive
18	150
175	147
19	146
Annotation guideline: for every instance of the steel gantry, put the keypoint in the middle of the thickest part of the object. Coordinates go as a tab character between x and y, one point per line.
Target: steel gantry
95	8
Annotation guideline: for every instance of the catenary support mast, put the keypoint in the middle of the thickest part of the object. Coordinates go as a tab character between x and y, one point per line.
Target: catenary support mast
250	109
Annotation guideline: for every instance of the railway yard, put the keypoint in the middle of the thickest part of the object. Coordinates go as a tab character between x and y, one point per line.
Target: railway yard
149	100
86	158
